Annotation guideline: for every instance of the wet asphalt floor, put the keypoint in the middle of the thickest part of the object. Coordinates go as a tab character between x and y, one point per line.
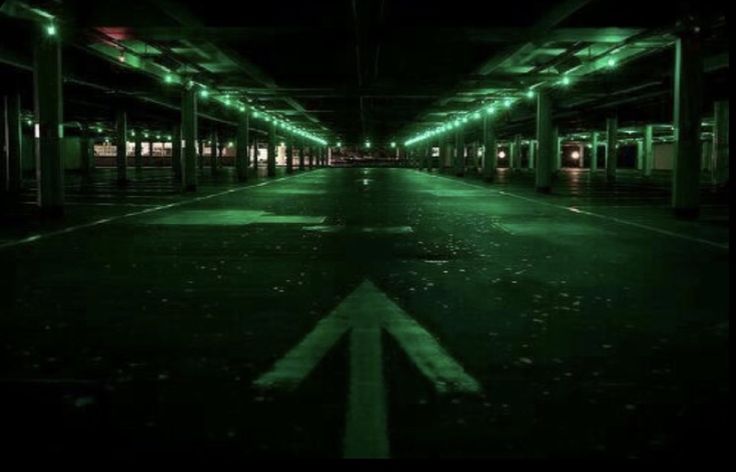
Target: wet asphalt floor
594	323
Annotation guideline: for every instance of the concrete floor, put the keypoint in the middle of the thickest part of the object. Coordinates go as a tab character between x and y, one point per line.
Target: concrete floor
594	323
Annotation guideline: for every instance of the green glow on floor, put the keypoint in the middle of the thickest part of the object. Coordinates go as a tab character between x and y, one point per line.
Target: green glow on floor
291	219
548	228
231	218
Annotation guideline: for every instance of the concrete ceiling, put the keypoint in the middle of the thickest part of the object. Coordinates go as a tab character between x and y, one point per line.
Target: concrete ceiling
378	69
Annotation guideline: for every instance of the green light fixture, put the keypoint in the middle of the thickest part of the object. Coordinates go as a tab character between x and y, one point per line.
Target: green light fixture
51	29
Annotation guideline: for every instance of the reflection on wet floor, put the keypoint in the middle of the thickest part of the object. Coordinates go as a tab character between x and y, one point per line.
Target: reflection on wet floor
582	333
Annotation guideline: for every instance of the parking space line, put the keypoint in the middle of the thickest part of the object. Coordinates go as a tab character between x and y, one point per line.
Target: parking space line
71	229
591	214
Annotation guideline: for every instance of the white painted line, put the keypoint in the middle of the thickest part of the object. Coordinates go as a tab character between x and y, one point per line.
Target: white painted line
612	219
92	224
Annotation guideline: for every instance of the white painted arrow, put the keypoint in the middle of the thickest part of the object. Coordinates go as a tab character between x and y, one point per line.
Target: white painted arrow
364	313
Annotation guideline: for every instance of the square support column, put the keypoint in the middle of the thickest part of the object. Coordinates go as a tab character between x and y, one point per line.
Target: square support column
241	152
531	154
490	156
86	153
556	150
138	151
516	152
214	149
581	153
13	169
648	158
301	155
121	148
176	158
720	143
594	145
48	105
459	163
611	148
543	177
271	156
200	154
189	141
687	119
289	155
255	156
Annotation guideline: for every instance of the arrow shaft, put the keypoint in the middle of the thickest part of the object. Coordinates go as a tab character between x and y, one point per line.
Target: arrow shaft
366	431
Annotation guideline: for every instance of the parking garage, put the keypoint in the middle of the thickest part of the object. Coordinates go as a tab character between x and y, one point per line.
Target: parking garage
364	229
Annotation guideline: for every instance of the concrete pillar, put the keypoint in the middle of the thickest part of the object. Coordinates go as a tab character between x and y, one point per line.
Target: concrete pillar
48	104
430	164
86	153
640	154
301	154
490	157
706	155
611	148
543	177
121	148
687	117
516	152
13	170
531	154
648	150
176	163
594	144
138	151
241	152
200	154
289	155
441	157
214	145
255	156
720	143
310	151
190	143
556	150
271	157
459	161
581	151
